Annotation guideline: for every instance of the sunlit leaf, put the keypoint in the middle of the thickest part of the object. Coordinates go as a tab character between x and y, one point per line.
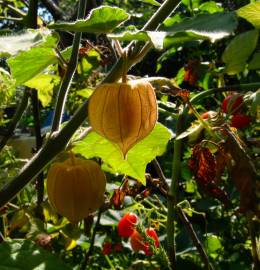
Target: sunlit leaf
213	26
213	243
12	44
211	7
251	13
94	145
44	84
100	20
33	61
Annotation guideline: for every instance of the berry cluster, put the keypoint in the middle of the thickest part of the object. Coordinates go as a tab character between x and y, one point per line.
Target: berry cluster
232	105
127	228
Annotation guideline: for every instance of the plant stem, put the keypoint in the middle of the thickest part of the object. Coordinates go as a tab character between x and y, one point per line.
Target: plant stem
17	116
14	19
172	199
65	85
195	239
184	219
31	21
253	236
92	242
39	141
163	12
31	17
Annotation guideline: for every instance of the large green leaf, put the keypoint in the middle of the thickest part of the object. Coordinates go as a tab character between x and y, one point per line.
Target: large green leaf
238	51
28	64
44	84
251	13
25	255
100	20
94	145
13	44
214	26
204	26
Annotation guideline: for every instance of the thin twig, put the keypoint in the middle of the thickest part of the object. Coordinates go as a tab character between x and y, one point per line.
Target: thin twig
11	19
92	242
65	85
253	236
160	173
197	243
54	9
17	116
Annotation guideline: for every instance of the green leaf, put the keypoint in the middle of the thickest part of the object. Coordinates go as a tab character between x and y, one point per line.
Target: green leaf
204	26
238	51
213	244
44	84
193	132
89	63
251	13
33	61
25	255
7	87
94	145
191	4
152	2
255	61
211	7
213	26
155	37
13	44
103	19
86	92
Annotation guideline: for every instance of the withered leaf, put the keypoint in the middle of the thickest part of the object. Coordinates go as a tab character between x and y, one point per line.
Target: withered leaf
203	165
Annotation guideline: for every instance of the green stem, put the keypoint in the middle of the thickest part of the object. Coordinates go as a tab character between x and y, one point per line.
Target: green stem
14	19
65	85
195	239
173	199
253	236
18	114
31	17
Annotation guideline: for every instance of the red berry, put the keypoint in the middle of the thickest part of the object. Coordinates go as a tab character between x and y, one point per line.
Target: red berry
240	120
231	103
137	241
152	233
208	114
126	225
107	248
